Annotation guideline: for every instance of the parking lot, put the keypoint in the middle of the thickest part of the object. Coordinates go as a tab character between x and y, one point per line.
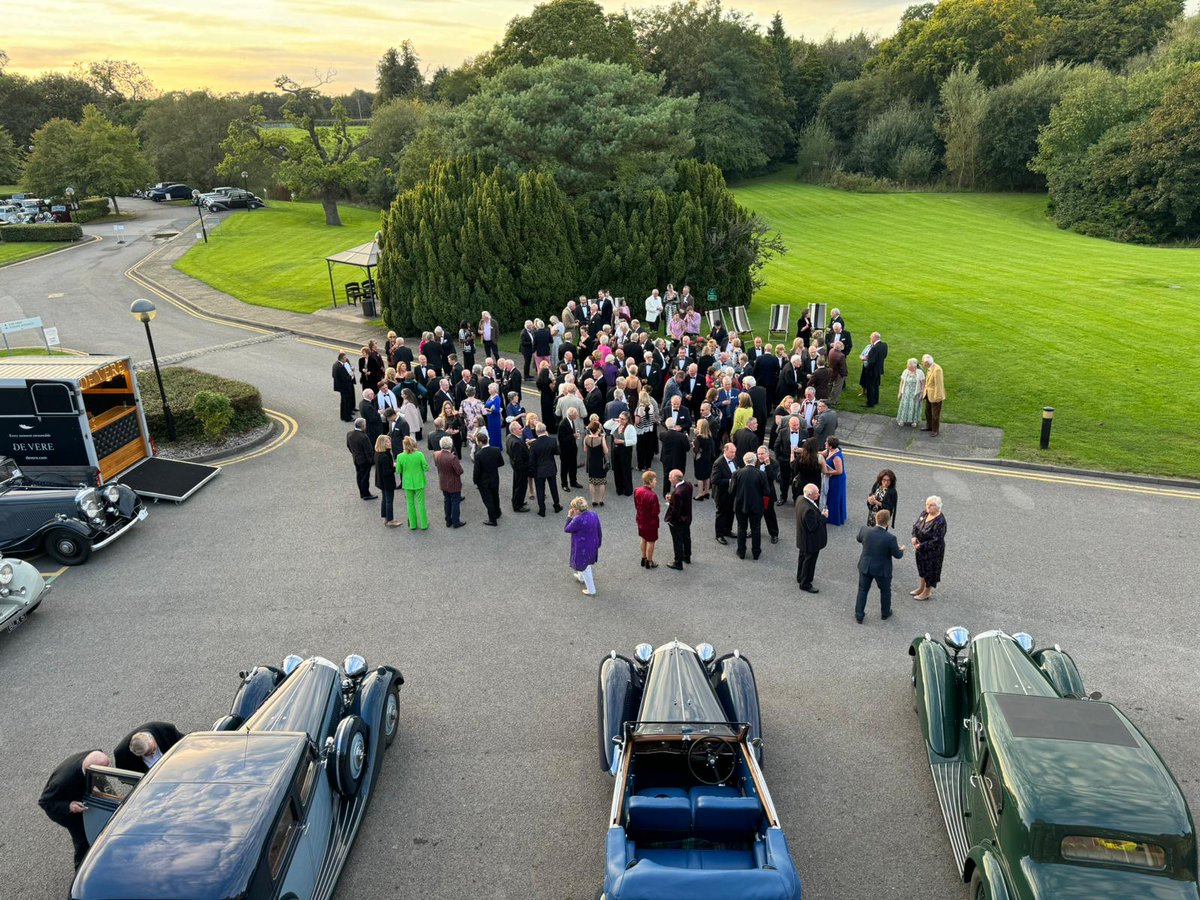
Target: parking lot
493	789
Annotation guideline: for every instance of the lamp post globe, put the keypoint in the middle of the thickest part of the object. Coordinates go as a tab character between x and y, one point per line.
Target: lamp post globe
200	213
143	310
70	192
245	175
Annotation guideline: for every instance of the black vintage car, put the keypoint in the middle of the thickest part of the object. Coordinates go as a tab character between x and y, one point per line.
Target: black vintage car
265	806
67	522
233	199
169	192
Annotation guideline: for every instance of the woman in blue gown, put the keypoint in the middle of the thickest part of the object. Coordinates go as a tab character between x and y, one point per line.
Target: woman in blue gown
493	412
833	464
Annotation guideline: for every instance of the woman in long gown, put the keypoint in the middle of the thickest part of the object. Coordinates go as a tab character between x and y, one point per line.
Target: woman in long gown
929	541
704	452
833	464
596	449
912	389
494	414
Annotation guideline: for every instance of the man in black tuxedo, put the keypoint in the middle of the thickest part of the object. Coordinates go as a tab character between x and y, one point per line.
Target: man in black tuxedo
811	536
720	480
880	547
758	403
65	794
401	354
673	451
433	355
593	399
873	368
444	394
362	451
510	380
343	384
604	314
836	333
766	372
541	461
526	345
518	458
145	745
570	430
749	486
679	519
745	439
486	476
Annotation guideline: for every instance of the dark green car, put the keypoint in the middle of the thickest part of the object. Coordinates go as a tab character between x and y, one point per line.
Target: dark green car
1047	792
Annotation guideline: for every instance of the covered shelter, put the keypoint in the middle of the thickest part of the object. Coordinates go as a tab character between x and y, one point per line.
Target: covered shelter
364	256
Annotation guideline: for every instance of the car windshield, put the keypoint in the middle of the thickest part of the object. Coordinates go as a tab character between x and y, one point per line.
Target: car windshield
8	471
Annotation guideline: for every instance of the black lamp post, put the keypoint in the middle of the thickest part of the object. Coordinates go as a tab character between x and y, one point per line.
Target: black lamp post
143	310
245	175
200	213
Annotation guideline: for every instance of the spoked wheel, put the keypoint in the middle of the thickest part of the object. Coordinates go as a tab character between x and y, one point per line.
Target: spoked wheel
712	760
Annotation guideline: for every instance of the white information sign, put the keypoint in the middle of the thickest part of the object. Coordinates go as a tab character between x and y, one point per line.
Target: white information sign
51	337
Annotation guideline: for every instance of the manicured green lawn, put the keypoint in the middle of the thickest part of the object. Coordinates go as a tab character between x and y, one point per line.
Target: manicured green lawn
13	252
276	256
1020	315
28	351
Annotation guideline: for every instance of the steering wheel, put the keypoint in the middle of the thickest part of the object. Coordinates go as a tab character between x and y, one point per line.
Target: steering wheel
712	760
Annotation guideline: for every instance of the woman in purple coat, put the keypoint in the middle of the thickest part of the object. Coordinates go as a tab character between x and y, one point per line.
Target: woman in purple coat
584	527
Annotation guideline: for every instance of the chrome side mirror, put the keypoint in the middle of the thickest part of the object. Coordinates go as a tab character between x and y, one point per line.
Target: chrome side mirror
1095	695
957	638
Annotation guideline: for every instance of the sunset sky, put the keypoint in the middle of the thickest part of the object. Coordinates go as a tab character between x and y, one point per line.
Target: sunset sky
230	45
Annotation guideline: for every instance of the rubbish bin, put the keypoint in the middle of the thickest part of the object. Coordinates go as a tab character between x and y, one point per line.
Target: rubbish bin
369	308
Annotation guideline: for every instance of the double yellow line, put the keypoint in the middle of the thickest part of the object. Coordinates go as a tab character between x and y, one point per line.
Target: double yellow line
288	429
1027	475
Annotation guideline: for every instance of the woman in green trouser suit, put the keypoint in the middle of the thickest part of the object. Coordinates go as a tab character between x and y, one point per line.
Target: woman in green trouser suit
411	466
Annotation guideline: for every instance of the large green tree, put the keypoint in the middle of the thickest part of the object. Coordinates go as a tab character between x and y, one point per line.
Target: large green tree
1016	112
182	132
1105	31
960	124
1001	37
95	157
744	118
326	162
399	74
10	158
600	128
26	104
565	29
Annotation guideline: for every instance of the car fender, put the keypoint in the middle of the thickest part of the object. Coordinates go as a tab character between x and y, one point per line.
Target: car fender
1060	668
616	704
733	680
257	685
27	586
935	695
991	873
372	694
68	522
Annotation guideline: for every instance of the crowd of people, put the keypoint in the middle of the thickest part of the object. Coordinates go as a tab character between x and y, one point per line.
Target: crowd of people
602	393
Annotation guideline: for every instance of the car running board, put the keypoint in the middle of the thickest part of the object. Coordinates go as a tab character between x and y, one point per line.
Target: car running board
947	778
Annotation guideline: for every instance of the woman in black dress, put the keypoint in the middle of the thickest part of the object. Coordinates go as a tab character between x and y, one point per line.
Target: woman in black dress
466	337
547	387
595	447
804	327
883	496
929	540
704	450
807	467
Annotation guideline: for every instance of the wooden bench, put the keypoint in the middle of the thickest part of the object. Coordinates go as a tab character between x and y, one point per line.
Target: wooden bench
781	321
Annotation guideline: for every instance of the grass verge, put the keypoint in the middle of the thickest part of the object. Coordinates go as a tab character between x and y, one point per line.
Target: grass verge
276	256
10	253
1019	313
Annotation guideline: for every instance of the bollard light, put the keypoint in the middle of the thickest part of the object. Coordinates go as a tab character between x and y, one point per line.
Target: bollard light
1047	421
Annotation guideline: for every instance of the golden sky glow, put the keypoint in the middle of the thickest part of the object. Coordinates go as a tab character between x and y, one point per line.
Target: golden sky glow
228	45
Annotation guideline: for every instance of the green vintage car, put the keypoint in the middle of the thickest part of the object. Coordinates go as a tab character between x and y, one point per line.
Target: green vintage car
1048	793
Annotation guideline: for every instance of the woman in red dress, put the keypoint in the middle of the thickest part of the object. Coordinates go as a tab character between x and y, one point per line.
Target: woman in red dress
646	509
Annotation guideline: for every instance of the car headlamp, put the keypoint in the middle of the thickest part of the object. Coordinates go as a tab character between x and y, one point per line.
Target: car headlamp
111	493
6	573
89	502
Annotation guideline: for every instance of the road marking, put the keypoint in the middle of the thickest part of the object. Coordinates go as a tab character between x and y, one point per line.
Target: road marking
289	428
137	278
1047	477
329	346
58	573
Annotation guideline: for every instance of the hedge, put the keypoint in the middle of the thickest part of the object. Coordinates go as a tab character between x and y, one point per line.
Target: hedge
13	234
90	209
182	384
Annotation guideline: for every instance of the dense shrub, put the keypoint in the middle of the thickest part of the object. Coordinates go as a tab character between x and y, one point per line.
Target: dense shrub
214	411
13	234
914	165
182	385
859	183
850	105
879	148
815	149
1015	113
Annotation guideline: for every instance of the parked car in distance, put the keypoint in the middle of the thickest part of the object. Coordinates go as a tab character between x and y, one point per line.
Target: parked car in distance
65	522
1047	792
22	589
170	192
266	805
207	195
691	816
234	199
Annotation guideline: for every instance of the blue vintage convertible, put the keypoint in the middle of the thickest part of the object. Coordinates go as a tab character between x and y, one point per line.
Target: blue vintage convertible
691	815
265	806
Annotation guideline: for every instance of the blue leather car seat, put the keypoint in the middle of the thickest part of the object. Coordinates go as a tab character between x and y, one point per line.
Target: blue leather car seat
660	816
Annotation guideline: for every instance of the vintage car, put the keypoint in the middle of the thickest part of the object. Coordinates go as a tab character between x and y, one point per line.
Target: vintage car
234	199
66	522
266	805
1048	793
691	816
22	589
